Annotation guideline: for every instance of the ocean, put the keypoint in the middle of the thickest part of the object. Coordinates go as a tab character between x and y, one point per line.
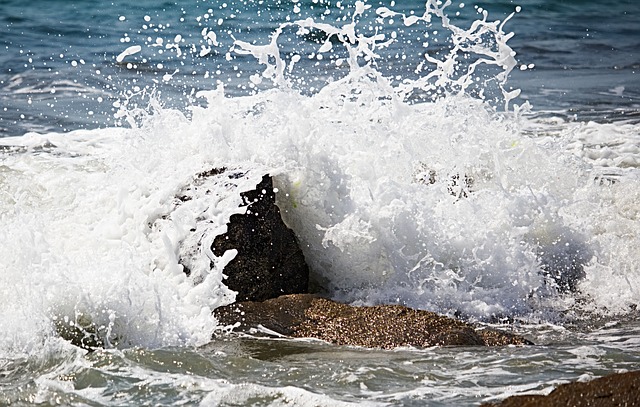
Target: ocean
480	160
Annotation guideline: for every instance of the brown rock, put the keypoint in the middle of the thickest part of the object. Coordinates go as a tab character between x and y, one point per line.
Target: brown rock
381	326
621	389
494	337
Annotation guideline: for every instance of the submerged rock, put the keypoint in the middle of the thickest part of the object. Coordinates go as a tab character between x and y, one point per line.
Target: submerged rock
222	227
622	389
381	326
562	252
82	332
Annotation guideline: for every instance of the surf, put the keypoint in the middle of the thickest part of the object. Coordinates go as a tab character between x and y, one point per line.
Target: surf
435	190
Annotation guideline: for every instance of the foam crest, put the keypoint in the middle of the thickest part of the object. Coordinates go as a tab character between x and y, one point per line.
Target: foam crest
443	206
80	242
479	54
484	43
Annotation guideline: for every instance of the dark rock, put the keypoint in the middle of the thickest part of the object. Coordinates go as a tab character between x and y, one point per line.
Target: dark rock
381	326
458	185
563	262
622	389
269	262
494	337
81	332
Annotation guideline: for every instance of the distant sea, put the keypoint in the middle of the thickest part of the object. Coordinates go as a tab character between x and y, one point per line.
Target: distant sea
367	115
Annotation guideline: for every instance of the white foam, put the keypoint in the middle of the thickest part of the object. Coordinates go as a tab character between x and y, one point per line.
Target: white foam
280	396
79	243
373	185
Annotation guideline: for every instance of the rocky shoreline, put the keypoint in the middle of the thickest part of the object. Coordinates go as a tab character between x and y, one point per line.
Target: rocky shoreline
303	315
621	389
271	278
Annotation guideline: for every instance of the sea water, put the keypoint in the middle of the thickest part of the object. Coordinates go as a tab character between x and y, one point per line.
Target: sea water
475	159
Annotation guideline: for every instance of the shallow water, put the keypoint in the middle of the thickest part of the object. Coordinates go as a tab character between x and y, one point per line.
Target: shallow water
249	371
117	106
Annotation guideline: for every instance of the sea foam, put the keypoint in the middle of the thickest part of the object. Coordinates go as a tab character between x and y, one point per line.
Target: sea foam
449	204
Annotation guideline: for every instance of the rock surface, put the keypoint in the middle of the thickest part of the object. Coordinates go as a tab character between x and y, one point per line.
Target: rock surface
621	389
382	326
269	262
271	277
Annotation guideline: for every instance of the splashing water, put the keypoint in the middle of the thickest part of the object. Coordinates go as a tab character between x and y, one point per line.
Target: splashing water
413	188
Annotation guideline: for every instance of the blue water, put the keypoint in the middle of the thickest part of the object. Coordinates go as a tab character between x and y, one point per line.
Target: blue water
585	54
116	140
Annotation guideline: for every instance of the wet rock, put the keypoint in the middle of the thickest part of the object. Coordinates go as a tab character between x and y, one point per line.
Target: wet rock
621	389
82	332
458	185
257	253
563	262
382	326
269	262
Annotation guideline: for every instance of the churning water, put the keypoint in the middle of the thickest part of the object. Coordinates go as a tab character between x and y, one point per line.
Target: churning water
478	160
